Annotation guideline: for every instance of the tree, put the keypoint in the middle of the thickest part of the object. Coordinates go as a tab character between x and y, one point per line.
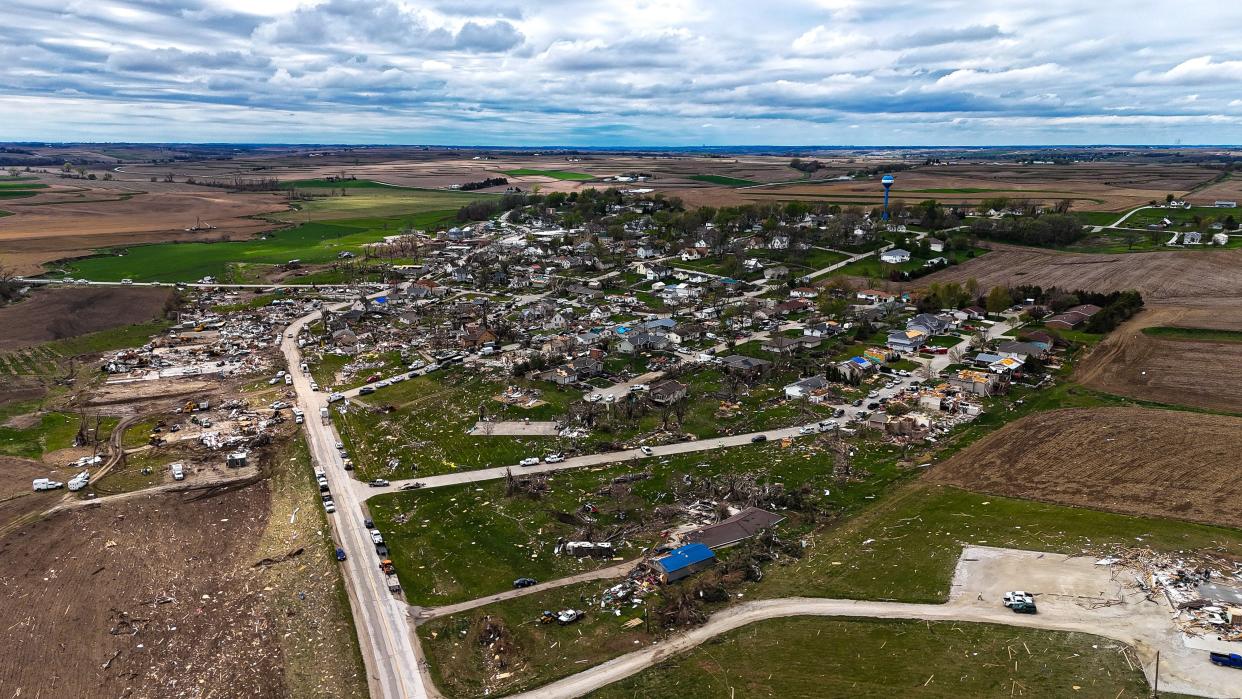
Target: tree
1130	238
998	299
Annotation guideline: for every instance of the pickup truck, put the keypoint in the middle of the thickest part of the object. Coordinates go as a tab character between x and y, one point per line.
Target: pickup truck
1226	659
47	484
394	585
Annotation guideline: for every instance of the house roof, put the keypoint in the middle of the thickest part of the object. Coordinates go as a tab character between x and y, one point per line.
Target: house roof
742	525
684	557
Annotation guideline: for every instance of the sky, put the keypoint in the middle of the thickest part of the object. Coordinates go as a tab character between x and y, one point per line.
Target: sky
630	73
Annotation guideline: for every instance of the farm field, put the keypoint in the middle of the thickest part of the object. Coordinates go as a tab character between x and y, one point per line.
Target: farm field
1174	355
811	657
68	312
1107	458
414	207
1089	186
1189	277
312	243
722	180
554	174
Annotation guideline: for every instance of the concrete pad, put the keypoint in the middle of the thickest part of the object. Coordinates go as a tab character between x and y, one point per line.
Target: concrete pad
516	428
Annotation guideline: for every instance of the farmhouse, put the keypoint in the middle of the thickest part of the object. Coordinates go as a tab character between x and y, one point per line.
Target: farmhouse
895	256
668	391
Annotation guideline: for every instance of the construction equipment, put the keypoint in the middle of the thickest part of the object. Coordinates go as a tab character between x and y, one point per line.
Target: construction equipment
386	566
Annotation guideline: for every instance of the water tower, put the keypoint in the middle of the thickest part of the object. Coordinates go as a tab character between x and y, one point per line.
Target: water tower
887	181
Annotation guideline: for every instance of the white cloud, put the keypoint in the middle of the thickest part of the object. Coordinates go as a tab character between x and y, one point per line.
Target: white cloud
1201	69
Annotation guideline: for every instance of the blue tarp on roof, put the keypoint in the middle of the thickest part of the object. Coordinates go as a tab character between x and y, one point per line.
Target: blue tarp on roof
683	557
382	299
860	361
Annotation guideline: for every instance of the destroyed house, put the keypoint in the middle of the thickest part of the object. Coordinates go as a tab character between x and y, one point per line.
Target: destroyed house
739	527
683	562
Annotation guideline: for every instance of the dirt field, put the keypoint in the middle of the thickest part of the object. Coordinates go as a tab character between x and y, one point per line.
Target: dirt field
72	218
1131	460
1197	373
85	587
1183	277
54	314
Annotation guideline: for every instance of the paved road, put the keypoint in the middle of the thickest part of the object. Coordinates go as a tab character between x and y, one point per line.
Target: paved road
490	474
385	631
423	614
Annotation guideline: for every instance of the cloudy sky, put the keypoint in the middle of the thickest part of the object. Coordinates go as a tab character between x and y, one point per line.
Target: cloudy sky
636	72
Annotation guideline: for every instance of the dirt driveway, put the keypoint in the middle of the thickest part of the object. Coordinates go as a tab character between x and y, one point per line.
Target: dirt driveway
1069	593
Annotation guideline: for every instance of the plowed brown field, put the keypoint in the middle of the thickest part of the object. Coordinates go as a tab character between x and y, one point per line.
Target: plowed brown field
1197	373
1160	463
1191	277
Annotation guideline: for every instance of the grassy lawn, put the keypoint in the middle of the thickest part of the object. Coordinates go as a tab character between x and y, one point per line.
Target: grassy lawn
51	432
428	433
831	657
917	535
140	470
460	543
809	260
554	174
872	267
419	208
944	341
1200	334
723	180
1097	218
1183	219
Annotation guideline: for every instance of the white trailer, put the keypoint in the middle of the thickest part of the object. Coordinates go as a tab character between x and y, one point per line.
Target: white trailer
47	484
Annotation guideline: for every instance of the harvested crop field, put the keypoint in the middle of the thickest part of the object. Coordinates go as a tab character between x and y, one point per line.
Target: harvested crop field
1194	372
86	595
1161	463
1160	276
50	226
58	313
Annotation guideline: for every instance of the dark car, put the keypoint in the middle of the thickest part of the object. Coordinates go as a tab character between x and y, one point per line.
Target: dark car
857	403
340	554
759	438
872	406
349	465
368	523
525	582
382	550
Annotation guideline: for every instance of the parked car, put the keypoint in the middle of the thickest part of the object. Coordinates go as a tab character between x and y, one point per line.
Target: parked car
368	523
376	536
340	554
646	450
378	483
329	506
529	461
413	486
807	429
638	387
1225	659
759	438
553	459
568	616
366	390
525	582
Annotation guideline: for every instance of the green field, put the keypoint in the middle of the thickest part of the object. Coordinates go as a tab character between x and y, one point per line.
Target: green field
8	185
554	174
872	267
312	243
915	563
50	432
339	184
721	179
832	657
404	205
1200	334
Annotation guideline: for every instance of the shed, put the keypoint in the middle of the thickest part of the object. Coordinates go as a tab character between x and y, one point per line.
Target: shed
683	562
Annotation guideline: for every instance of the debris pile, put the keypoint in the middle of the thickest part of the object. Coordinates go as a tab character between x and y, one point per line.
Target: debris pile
1204	590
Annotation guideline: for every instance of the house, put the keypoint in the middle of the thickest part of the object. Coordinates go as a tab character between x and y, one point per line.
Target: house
477	337
976	383
745	365
654	271
895	256
668	391
931	324
804	387
909	340
975	312
875	296
829	328
788	345
792	306
683	562
804	292
855	367
639	340
737	528
1019	350
1073	317
935	245
684	332
776	272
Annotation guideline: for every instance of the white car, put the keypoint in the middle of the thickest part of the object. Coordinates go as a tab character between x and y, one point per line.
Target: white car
329	506
595	397
646	450
553	459
376	537
1017	597
807	429
529	461
638	387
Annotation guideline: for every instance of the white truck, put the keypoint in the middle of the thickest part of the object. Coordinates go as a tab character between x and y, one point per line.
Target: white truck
178	471
394	585
79	481
47	484
323	414
298	416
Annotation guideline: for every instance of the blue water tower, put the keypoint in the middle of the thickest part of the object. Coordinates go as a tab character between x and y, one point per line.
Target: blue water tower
887	181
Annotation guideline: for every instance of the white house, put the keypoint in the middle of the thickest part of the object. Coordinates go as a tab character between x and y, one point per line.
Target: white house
895	256
935	245
1220	239
804	387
